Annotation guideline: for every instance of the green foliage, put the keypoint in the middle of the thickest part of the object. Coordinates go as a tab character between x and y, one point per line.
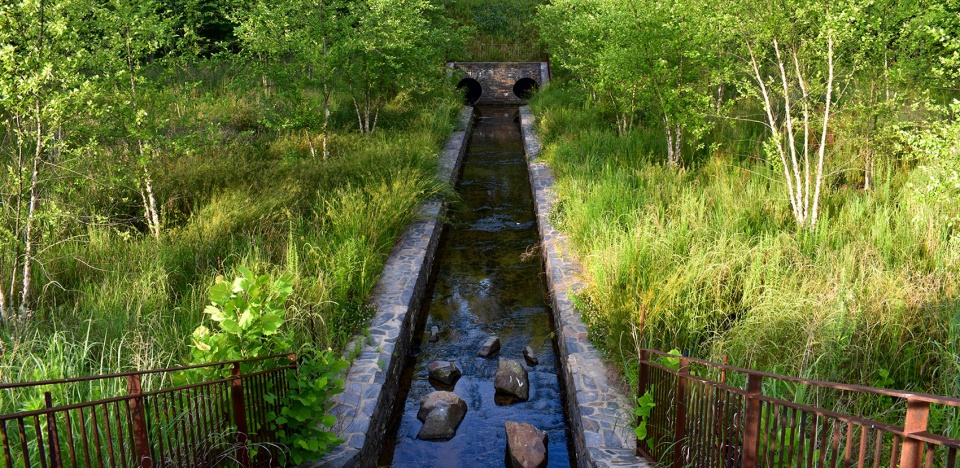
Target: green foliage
303	417
248	313
395	47
496	30
645	405
672	363
605	46
712	254
937	185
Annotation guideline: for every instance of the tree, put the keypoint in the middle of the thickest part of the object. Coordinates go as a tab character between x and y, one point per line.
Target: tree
649	61
307	34
789	63
42	54
132	31
393	46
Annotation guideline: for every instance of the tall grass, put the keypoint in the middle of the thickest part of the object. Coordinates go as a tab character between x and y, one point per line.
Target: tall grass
713	255
239	185
501	30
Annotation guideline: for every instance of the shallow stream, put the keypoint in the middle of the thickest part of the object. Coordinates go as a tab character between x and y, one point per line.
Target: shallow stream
487	281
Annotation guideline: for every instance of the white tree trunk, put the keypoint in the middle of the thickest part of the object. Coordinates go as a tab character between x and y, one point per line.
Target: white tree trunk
823	137
803	181
152	208
28	237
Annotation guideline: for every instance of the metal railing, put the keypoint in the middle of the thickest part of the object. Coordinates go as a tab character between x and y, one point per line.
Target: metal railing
215	414
701	419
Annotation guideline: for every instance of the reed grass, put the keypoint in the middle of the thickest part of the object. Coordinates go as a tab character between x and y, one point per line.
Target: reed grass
501	30
239	186
711	252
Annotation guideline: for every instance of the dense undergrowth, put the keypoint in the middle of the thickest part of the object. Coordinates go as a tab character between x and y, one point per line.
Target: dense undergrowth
711	252
500	30
238	191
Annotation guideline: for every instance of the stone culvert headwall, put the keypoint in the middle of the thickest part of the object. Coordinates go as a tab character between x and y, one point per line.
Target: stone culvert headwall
364	408
498	81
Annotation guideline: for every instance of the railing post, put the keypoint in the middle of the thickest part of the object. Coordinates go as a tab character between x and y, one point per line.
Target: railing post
643	377
239	416
680	422
918	413
138	415
751	424
723	372
52	431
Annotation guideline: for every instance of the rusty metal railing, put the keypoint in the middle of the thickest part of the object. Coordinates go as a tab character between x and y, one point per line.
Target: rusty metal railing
714	415
215	414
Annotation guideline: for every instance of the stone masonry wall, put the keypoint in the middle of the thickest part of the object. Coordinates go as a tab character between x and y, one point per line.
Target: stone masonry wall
600	414
364	408
497	78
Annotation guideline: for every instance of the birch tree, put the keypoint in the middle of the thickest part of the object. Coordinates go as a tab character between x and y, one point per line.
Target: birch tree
394	46
308	34
132	32
41	55
790	65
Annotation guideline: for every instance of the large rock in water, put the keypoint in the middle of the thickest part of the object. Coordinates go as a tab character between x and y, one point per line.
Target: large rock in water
490	347
441	413
512	380
526	446
445	372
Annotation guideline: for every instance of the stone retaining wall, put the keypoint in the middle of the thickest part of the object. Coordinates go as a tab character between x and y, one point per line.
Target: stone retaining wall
364	408
600	414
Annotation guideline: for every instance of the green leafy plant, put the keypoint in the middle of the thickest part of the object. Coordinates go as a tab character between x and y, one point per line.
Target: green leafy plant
645	405
249	312
303	416
671	362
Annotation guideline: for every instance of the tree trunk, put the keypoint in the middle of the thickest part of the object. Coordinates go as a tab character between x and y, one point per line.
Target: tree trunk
823	138
18	217
356	106
326	120
28	238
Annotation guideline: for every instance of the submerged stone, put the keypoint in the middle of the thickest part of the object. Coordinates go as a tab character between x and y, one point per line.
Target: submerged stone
526	446
490	347
445	372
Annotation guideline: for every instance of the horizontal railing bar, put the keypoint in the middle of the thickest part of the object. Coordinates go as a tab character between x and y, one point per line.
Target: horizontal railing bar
923	397
88	404
846	418
6	386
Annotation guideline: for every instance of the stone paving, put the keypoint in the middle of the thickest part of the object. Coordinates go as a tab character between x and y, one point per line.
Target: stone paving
600	413
364	408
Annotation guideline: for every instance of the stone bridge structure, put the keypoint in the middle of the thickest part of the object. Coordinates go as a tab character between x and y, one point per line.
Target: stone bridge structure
500	83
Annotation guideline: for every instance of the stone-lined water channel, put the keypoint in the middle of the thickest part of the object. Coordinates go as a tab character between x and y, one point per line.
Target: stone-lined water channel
487	282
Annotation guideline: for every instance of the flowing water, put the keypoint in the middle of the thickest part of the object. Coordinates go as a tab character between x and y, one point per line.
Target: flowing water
487	282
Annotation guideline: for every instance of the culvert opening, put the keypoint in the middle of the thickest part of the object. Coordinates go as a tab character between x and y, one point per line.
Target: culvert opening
472	92
525	87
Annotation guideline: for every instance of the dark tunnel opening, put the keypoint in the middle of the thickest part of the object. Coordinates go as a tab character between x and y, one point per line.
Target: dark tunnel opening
525	87
473	90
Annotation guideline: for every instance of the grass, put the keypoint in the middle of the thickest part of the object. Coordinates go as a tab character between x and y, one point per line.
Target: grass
711	252
239	186
502	30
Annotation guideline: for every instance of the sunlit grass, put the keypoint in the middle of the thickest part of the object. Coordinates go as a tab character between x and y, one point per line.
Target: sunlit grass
237	188
713	255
